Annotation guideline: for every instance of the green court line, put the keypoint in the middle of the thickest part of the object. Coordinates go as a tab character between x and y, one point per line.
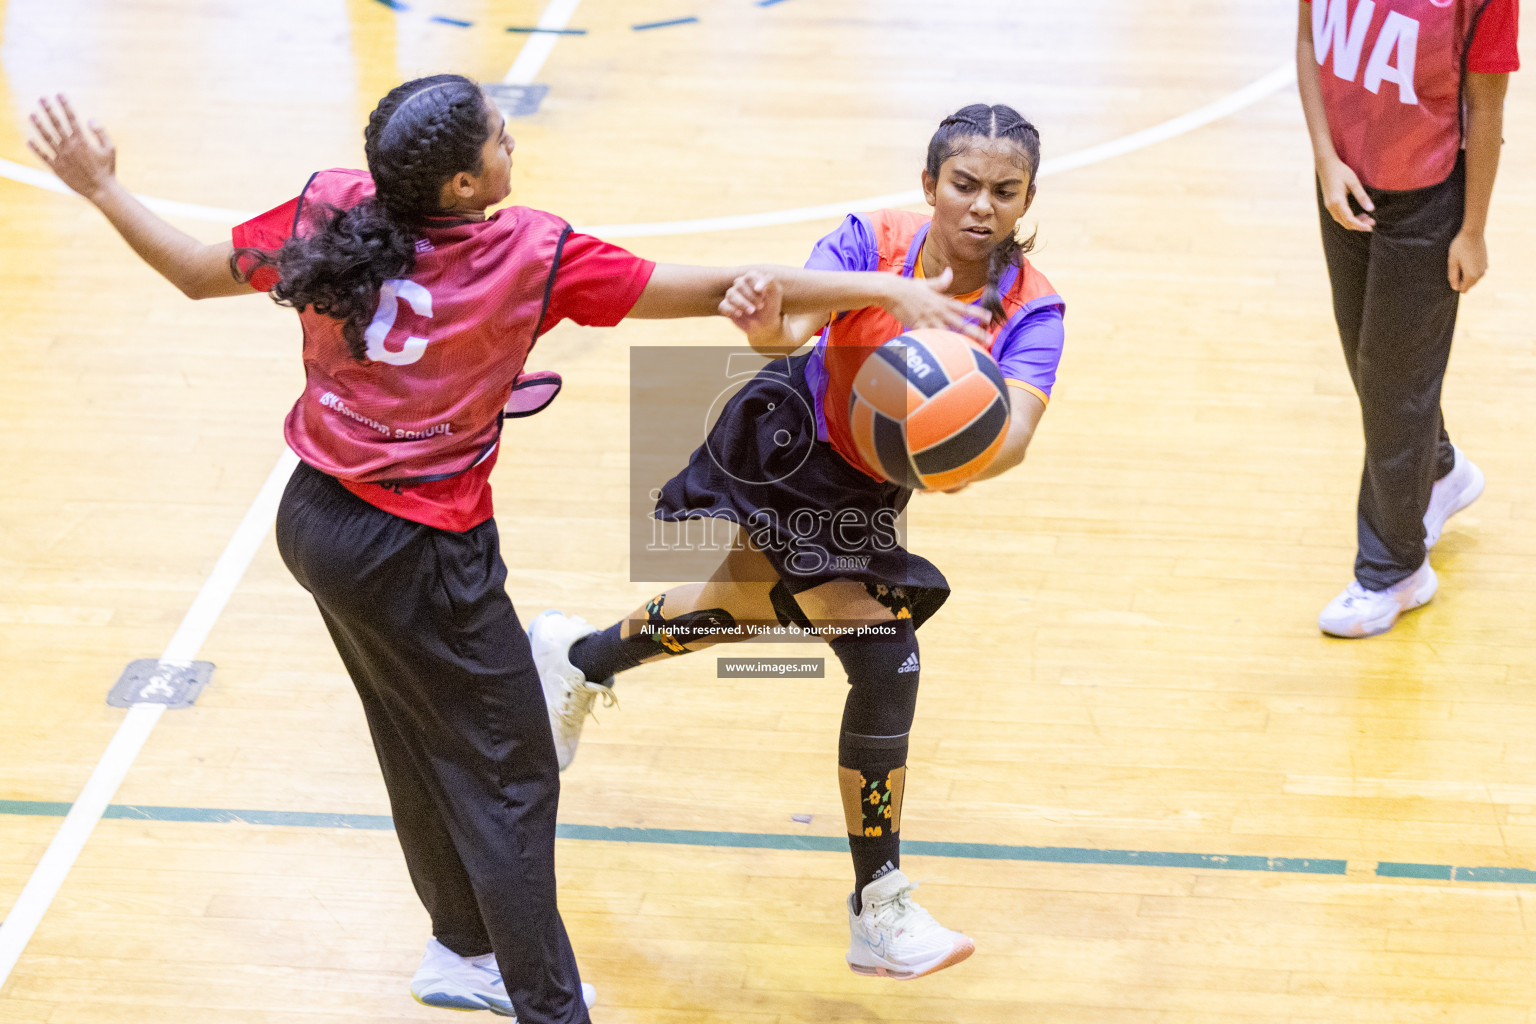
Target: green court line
1448	873
818	844
743	840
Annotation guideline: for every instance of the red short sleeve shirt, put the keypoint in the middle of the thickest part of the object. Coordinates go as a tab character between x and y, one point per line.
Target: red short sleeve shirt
596	284
1494	49
1391	76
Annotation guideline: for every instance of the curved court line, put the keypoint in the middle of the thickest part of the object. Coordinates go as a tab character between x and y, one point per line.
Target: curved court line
43	884
21	922
168	207
1247	96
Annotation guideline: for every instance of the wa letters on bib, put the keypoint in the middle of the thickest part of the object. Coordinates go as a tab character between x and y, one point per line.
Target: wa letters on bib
1391	76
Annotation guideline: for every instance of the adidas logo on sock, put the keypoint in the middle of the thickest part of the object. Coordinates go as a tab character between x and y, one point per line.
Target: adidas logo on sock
910	665
885	869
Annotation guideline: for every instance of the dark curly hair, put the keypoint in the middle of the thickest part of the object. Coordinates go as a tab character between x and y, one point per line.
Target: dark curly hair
419	136
990	122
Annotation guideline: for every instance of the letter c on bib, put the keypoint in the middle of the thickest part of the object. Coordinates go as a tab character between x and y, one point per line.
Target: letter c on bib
391	292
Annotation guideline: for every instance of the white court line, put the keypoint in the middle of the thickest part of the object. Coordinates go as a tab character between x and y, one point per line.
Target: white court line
166	207
531	58
43	885
1271	83
17	928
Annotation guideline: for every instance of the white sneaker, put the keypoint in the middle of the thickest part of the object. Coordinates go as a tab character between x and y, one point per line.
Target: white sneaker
895	938
1453	492
567	692
1358	612
452	982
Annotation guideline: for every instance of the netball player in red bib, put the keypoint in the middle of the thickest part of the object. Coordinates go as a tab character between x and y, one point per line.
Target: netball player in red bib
1405	104
821	552
418	312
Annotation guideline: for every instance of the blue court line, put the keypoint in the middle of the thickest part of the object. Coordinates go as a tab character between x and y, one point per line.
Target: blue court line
535	30
820	844
395	5
664	24
458	22
768	3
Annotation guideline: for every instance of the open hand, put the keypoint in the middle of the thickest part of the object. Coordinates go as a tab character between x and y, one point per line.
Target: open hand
1338	182
923	304
84	160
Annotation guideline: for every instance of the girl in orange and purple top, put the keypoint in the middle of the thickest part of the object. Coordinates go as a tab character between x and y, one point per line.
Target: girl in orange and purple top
1405	104
822	549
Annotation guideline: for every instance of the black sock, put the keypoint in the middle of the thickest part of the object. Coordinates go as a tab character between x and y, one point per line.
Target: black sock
874	856
601	656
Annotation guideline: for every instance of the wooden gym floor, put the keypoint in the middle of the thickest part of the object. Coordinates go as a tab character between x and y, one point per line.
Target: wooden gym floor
1309	830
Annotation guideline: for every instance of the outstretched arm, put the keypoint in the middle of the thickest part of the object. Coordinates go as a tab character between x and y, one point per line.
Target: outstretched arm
87	163
755	304
736	292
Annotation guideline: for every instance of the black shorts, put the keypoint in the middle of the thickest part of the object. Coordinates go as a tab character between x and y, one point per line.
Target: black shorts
815	517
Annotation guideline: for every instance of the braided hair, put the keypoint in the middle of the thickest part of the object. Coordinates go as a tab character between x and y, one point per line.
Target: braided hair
990	122
419	136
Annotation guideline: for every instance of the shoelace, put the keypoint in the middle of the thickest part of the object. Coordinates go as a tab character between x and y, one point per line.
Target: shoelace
898	905
1359	593
576	703
1356	593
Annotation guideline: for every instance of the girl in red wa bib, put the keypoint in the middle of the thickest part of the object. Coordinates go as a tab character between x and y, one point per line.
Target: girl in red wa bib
781	464
1405	105
418	312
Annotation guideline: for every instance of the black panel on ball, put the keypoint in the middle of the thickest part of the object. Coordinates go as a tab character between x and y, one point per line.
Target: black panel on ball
966	445
891	446
985	364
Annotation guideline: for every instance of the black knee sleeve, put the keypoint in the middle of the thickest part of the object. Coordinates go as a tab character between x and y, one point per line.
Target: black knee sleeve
883	673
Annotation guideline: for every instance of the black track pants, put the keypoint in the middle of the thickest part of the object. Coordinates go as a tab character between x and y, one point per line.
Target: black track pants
1396	313
424	626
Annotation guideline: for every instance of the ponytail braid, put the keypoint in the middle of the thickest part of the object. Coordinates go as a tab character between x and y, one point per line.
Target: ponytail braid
419	136
990	122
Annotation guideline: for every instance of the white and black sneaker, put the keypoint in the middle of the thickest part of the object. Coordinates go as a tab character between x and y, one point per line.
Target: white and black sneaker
893	937
452	982
568	694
